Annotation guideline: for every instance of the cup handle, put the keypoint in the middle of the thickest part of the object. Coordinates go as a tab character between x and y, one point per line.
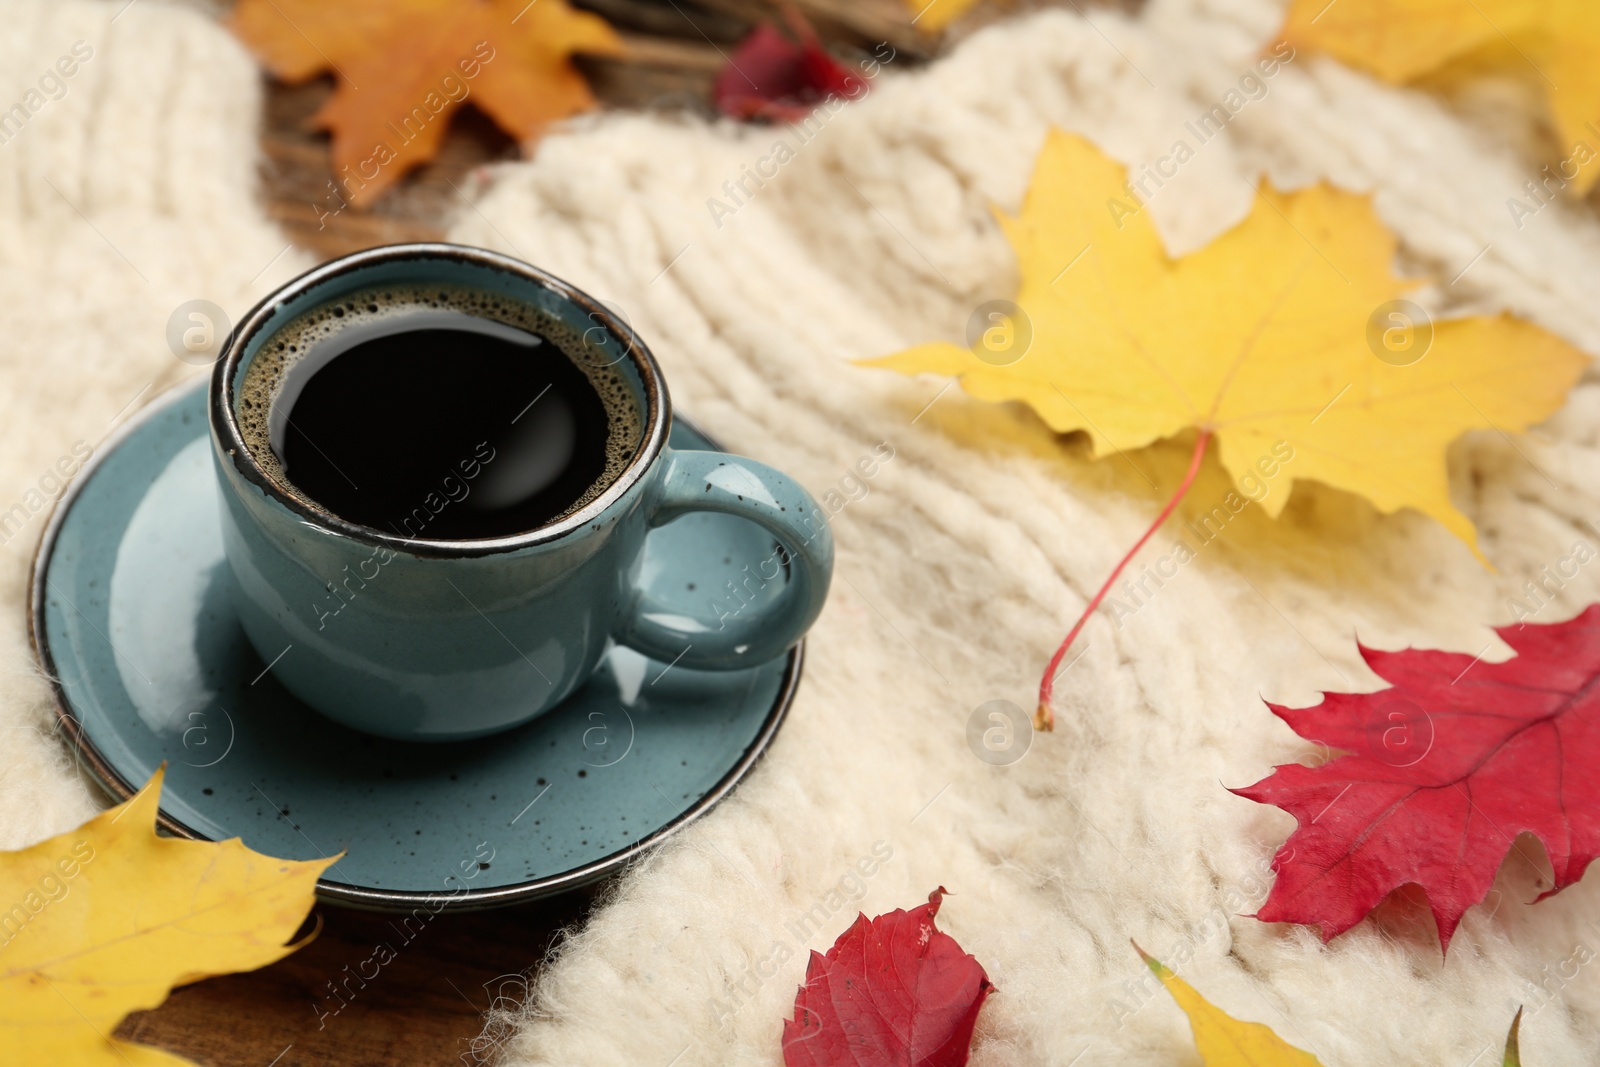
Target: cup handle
733	634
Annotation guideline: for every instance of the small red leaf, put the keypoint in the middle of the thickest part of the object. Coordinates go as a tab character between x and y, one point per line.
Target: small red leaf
891	992
771	77
1444	770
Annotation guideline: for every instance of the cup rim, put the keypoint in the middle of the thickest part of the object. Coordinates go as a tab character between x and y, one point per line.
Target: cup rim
226	435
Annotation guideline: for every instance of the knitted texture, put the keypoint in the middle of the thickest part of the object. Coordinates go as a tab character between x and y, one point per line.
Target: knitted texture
961	560
964	558
127	188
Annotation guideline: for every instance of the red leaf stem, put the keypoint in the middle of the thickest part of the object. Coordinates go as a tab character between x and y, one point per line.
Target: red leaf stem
1043	717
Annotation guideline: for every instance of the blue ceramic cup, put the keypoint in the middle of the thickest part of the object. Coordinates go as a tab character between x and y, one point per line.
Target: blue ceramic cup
443	640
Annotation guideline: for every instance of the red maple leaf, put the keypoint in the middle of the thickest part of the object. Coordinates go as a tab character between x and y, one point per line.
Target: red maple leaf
891	992
771	77
1444	770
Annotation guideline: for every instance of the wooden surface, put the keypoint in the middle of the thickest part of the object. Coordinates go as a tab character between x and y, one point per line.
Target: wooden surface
425	1006
675	48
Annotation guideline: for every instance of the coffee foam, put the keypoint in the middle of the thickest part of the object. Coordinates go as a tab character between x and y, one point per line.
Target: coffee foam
297	342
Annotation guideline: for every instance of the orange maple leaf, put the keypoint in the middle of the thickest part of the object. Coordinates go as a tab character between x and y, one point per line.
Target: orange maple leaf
404	66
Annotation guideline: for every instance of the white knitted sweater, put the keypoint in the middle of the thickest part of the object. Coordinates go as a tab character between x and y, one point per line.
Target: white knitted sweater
962	559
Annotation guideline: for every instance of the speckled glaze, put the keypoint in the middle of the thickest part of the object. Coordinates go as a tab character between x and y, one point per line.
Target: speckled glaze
133	619
447	640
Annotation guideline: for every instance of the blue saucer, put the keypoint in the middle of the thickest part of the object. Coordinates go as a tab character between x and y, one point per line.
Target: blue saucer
131	617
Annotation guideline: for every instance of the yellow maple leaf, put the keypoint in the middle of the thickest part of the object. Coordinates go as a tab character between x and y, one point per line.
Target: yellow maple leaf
1222	1040
1274	340
1513	1056
931	16
405	65
1552	42
106	919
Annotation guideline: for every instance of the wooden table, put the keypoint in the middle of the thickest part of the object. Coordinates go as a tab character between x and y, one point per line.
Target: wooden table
675	49
425	1006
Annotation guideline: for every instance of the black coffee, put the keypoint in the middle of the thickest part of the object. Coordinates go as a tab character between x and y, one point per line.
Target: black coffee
438	418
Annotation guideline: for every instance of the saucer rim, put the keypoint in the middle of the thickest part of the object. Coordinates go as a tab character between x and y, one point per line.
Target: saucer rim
363	897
